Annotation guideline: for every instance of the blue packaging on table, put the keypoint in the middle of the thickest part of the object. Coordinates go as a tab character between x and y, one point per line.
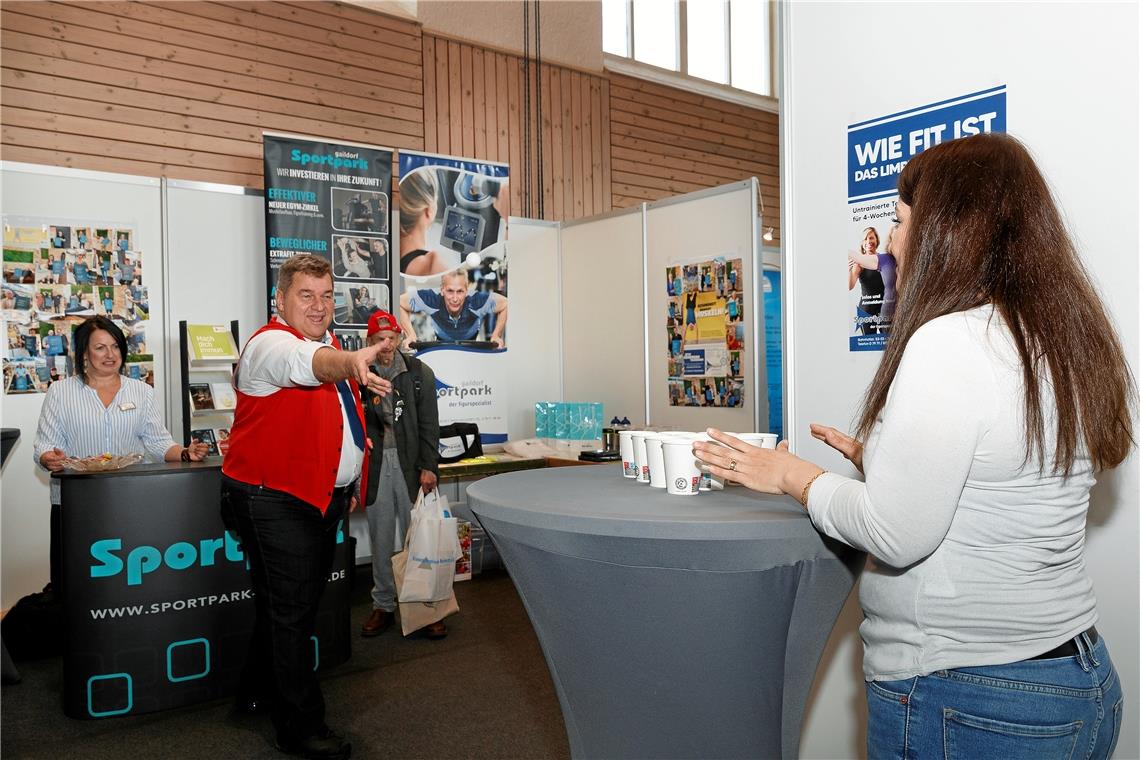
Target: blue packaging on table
568	421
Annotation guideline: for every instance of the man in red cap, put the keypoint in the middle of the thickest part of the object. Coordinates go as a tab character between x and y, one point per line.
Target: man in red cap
404	429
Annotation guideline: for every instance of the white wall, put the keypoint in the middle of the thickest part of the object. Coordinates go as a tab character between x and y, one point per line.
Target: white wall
719	222
603	313
48	194
533	355
847	62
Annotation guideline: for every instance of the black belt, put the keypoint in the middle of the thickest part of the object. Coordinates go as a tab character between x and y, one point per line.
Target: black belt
1069	648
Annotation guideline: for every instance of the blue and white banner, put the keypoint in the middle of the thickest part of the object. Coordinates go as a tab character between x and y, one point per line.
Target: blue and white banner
470	386
877	151
453	281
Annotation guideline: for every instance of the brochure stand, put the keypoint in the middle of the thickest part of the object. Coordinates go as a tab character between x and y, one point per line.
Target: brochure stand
208	354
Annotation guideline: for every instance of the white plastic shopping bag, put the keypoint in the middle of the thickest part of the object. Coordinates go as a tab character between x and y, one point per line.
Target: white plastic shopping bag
432	544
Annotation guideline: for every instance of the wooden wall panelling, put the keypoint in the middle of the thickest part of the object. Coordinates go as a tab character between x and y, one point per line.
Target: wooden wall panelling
431	118
666	141
184	90
557	172
479	104
546	129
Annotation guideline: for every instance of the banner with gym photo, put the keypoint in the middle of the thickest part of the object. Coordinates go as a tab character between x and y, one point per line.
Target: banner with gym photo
453	282
333	200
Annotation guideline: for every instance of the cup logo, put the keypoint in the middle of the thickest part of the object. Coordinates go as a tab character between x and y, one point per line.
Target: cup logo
696	481
630	468
681	483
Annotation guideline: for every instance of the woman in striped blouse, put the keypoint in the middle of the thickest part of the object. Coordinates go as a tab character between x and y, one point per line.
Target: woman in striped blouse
100	411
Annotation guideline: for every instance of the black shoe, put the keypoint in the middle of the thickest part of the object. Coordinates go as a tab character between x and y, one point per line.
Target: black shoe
324	745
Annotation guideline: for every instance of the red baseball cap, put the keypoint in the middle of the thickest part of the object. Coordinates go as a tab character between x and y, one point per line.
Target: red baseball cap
382	320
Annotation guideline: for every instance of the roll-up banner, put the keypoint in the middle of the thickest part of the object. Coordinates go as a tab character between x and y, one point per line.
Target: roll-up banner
453	282
333	200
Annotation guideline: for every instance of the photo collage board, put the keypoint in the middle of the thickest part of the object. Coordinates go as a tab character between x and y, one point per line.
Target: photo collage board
55	276
705	332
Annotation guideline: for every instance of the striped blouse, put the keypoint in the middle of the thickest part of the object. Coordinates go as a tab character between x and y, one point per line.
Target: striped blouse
74	420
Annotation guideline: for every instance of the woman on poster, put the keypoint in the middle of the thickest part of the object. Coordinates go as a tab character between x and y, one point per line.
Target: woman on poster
870	285
885	264
997	401
419	196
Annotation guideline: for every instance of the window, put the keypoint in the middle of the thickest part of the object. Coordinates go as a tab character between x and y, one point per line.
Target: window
728	42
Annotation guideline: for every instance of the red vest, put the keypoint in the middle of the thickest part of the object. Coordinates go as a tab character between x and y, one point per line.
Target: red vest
290	440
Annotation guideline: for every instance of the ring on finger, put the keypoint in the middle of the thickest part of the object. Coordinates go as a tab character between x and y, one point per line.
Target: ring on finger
732	465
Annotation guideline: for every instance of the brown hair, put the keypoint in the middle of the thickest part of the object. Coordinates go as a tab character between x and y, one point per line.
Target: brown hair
305	263
984	228
83	338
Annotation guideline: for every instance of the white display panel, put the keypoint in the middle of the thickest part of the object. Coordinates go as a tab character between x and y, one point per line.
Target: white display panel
34	192
1085	139
534	322
692	228
216	266
603	312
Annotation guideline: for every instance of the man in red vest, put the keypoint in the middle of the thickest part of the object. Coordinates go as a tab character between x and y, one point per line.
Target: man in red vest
297	450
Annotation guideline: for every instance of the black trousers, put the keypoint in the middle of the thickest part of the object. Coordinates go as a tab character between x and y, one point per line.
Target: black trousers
289	545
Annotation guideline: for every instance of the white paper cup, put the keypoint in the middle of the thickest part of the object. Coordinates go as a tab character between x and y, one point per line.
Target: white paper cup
625	446
639	454
763	440
708	482
655	457
682	473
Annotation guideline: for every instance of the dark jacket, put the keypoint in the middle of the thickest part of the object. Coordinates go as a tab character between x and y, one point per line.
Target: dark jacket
416	427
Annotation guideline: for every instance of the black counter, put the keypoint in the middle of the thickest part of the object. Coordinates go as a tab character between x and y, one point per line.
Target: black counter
157	595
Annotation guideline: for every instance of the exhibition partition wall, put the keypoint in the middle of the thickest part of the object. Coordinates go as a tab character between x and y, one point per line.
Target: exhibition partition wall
77	203
215	271
603	313
1085	140
659	313
721	226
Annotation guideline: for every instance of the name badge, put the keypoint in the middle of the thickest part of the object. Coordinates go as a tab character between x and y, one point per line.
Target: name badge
126	406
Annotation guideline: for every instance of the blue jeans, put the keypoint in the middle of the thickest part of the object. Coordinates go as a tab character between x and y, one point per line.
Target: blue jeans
1063	708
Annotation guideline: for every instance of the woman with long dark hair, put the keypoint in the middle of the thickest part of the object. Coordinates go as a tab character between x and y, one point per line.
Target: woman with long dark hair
1002	391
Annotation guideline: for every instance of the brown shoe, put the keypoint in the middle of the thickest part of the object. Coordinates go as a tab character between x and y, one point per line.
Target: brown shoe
435	630
378	622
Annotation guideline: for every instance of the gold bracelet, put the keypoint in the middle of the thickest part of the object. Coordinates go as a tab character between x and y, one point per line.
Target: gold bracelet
807	487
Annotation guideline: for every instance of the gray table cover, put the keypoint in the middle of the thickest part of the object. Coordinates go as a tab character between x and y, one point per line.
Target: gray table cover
673	626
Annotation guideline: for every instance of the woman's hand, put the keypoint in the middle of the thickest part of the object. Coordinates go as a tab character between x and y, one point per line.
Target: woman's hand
851	449
764	470
53	459
197	451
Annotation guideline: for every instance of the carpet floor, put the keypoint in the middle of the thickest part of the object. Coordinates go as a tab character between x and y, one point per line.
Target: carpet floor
482	692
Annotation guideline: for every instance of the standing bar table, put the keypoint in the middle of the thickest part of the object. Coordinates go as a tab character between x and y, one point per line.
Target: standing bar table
673	626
